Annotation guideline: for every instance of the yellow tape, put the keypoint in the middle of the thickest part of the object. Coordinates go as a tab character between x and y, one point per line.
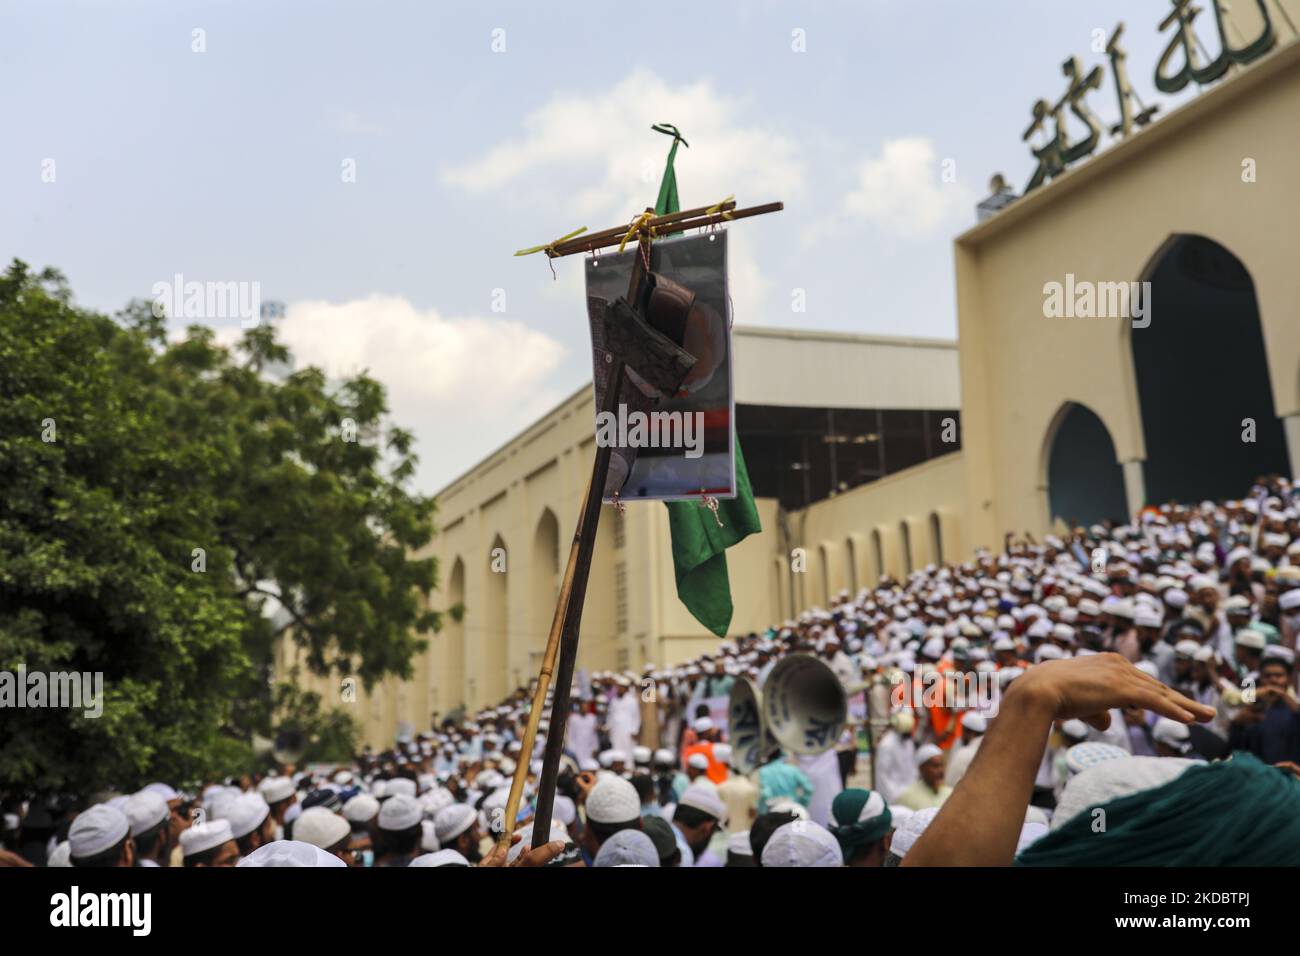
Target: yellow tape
549	248
641	222
714	210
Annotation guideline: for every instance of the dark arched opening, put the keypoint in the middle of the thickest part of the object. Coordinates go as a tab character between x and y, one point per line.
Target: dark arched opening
1201	372
1084	482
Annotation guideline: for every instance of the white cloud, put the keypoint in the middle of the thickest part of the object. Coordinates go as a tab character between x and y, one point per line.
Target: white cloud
602	164
622	160
461	385
902	190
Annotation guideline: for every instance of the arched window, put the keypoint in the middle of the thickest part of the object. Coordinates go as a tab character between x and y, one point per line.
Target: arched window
936	538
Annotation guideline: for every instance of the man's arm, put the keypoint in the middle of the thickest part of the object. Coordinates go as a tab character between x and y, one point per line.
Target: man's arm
979	825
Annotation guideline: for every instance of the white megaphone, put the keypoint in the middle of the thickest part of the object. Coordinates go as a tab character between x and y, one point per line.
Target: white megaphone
750	741
804	705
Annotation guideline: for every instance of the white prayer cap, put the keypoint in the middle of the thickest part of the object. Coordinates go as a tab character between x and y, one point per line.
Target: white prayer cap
927	752
166	791
1146	617
454	820
738	844
205	836
246	813
1090	753
1289	600
291	853
802	843
909	831
665	756
1149	668
641	754
1075	729
342	777
933	648
1004	643
613	800
902	721
440	858
704	797
1088	606
98	829
564	809
401	786
145	810
976	723
1172	734
1237	602
1114	778
1202	582
1253	639
698	761
62	855
429	838
1204	653
361	808
399	813
1276	652
320	827
558	833
702	725
722	753
588	765
627	848
1030	833
1186	648
1176	598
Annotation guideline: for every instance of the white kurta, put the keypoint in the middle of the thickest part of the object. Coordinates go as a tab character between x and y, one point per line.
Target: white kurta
580	736
894	764
624	722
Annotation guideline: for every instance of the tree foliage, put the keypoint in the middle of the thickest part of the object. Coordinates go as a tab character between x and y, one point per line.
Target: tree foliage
171	508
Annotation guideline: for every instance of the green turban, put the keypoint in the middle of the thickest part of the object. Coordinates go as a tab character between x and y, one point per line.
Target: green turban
858	819
1237	812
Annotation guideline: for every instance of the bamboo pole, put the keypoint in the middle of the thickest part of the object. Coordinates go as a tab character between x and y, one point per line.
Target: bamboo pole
662	225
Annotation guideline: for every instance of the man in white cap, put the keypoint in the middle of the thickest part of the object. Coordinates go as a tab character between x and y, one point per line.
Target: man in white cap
699	814
802	843
928	790
250	822
290	853
279	794
457	828
101	836
580	732
1171	738
612	805
973	726
399	833
150	828
324	829
209	844
738	792
627	848
894	760
624	717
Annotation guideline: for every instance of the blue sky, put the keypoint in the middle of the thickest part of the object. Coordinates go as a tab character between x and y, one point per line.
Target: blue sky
226	165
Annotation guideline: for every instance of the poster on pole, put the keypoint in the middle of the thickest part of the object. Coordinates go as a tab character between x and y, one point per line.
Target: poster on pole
679	446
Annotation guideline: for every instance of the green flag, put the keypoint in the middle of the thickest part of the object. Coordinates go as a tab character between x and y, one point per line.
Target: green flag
699	543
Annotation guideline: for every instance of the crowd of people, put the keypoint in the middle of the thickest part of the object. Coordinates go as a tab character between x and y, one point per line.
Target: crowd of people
1142	671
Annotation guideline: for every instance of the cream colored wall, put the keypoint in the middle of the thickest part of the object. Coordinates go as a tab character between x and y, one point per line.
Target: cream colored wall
1104	221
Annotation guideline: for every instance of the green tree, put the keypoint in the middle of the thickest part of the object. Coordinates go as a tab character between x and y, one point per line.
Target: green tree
171	509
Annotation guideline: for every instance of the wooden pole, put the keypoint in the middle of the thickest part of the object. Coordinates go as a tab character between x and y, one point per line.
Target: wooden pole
573	613
663	225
